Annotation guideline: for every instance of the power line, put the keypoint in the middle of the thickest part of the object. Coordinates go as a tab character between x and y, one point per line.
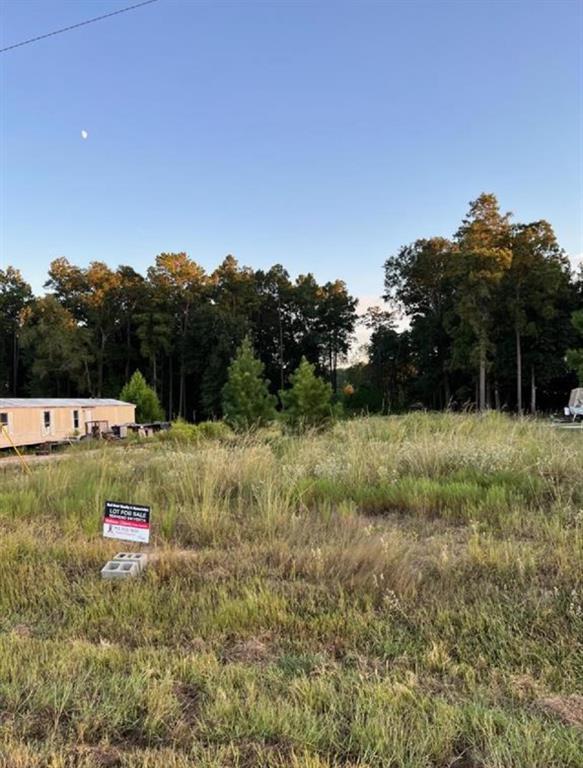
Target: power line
75	26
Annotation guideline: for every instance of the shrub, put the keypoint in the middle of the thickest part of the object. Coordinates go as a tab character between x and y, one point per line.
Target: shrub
309	401
247	402
214	430
138	392
182	432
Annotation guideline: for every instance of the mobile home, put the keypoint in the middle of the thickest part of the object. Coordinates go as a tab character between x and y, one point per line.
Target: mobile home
33	421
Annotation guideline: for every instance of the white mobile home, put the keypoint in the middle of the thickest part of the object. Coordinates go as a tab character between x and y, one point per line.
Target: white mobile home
33	421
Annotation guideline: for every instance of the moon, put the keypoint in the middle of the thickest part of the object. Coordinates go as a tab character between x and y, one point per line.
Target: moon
84	134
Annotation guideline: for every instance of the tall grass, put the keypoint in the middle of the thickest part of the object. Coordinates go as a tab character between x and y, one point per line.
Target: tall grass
394	592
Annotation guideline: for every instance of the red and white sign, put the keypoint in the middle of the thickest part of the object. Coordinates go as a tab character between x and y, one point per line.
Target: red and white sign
129	522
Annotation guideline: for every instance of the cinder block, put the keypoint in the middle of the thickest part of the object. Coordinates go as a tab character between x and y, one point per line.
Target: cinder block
118	569
132	557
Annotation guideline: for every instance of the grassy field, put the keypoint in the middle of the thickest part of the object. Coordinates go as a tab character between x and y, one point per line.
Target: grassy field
401	592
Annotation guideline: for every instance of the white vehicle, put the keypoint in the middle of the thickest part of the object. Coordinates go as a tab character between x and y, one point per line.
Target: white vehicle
575	407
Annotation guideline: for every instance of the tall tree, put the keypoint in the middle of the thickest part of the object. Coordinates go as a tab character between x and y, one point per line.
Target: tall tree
419	279
531	287
15	295
92	297
337	313
57	350
485	255
389	355
180	282
273	322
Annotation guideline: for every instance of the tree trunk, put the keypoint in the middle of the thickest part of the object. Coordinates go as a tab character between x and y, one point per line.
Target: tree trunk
532	391
181	391
88	377
15	365
446	390
281	376
496	395
482	390
170	389
154	373
518	371
128	351
100	360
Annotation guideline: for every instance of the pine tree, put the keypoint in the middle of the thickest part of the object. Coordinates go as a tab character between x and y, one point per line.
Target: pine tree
247	402
138	392
309	401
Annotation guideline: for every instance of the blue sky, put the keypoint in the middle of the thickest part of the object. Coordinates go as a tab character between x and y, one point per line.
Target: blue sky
321	135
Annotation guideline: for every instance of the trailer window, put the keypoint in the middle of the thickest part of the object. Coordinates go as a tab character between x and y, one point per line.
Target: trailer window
47	419
75	419
4	420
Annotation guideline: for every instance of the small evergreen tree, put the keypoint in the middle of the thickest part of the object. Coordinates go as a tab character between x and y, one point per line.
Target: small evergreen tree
247	402
138	392
309	401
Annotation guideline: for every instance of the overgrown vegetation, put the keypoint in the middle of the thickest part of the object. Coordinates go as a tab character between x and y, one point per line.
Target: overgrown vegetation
391	593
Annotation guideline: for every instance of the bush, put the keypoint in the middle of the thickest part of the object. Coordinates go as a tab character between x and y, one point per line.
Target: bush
182	432
308	403
247	402
138	392
214	430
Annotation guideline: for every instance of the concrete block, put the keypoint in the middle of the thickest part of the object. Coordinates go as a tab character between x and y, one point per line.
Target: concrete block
118	569
132	557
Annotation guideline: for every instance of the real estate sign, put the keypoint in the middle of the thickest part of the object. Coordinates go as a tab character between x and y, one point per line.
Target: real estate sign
130	522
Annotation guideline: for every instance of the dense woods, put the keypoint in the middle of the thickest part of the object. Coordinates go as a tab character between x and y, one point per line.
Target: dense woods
180	326
494	321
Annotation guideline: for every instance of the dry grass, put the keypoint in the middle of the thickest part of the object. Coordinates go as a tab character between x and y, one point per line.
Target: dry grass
396	592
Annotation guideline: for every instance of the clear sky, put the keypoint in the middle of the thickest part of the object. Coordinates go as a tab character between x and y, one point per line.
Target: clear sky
321	135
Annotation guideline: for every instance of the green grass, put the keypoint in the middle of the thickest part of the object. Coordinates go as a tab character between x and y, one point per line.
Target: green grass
397	592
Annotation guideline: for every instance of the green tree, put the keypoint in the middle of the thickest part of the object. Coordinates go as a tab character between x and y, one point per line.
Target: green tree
419	279
56	349
15	295
247	402
485	255
575	356
532	288
92	297
389	359
138	392
308	403
178	284
337	310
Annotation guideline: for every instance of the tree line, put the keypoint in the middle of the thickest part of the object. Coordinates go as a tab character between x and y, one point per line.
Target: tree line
179	325
495	320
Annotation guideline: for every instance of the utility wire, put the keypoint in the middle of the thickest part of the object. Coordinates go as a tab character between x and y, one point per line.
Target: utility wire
75	26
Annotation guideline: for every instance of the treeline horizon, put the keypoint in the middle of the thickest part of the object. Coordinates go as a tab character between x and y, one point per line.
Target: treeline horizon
177	324
491	313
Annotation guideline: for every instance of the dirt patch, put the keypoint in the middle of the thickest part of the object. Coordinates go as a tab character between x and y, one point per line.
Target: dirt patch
569	709
21	630
101	757
254	650
189	695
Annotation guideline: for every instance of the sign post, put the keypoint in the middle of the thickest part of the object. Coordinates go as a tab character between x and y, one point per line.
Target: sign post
128	522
